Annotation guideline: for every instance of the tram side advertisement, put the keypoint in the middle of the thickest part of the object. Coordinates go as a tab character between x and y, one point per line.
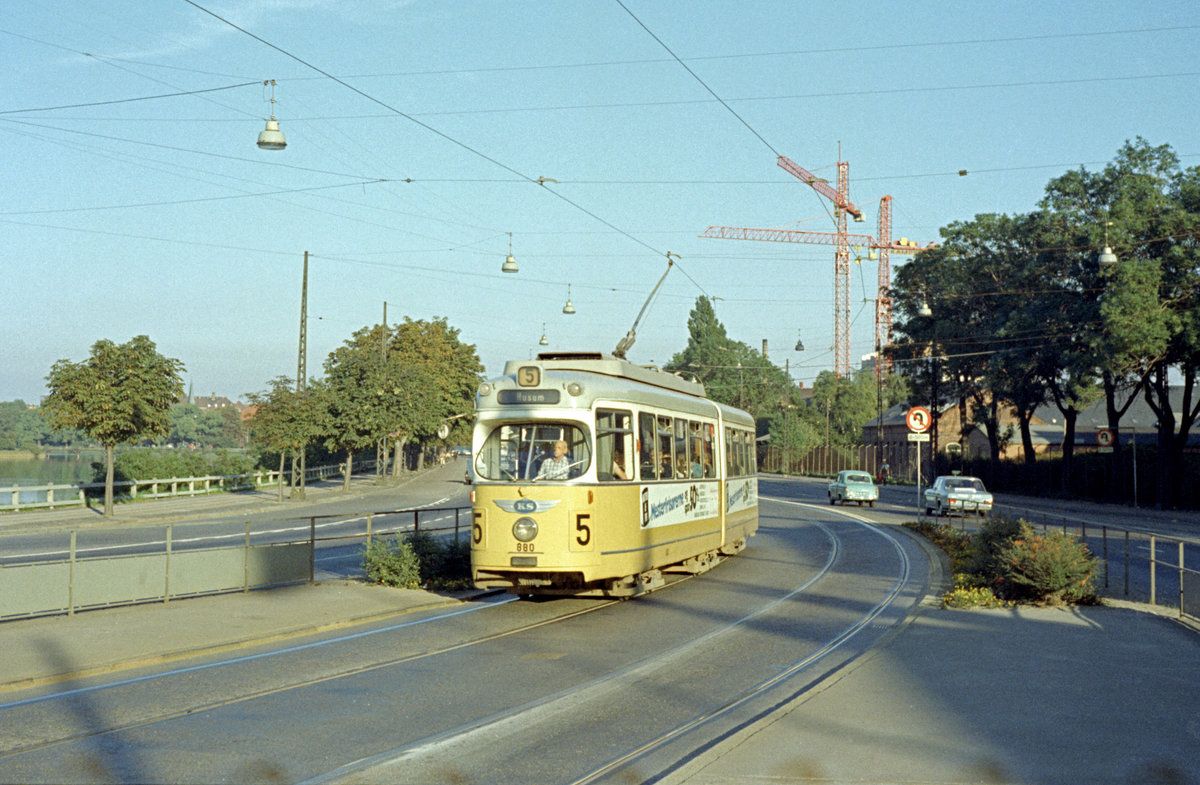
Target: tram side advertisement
668	505
741	494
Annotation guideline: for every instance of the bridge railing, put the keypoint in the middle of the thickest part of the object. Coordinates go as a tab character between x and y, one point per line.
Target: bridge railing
29	497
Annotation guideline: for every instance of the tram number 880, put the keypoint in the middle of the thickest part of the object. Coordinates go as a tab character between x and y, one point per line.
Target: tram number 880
524	547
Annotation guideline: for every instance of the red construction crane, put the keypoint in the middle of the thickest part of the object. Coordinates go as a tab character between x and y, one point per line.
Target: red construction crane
842	240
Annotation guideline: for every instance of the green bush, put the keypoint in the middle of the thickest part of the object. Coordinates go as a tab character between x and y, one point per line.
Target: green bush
392	562
418	560
968	592
1049	568
1006	560
955	543
983	557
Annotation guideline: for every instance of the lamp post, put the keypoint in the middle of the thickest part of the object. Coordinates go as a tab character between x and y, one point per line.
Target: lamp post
934	408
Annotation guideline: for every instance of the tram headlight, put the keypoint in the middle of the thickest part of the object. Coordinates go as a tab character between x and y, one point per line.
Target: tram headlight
574	389
525	529
485	389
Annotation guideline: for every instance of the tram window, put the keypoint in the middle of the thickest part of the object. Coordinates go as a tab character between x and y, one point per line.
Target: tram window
517	452
706	450
614	445
701	467
666	463
683	462
647	447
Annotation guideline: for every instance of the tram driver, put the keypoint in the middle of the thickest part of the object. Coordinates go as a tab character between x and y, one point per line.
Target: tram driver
558	467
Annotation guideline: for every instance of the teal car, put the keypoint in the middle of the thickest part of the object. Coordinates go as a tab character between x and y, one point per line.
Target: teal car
853	486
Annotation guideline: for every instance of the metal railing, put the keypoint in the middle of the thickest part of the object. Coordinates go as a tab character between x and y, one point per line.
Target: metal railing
1136	565
29	497
180	562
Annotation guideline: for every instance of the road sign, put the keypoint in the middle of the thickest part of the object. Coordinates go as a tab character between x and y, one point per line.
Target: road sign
1104	437
918	437
918	419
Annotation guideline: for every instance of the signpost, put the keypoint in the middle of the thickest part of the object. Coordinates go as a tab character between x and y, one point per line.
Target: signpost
917	419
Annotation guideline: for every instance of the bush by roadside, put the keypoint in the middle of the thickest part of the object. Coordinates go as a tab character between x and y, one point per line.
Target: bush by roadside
418	560
1008	562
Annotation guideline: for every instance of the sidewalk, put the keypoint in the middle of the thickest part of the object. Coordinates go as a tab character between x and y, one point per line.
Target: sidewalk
53	649
1033	695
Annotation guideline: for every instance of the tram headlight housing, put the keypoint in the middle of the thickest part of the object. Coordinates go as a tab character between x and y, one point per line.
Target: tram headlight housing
525	529
574	389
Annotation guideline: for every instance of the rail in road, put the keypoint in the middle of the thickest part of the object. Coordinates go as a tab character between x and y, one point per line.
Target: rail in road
500	690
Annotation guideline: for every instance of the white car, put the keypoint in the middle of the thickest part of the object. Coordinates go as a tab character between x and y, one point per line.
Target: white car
853	486
954	494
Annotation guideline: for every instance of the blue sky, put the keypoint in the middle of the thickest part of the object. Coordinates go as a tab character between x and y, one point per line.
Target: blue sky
404	175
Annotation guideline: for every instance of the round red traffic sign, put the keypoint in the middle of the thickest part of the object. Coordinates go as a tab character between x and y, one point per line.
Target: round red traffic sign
918	419
1104	437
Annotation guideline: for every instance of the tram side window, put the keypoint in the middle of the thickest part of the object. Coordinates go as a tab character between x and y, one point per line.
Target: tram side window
729	472
683	463
614	445
647	447
700	451
666	461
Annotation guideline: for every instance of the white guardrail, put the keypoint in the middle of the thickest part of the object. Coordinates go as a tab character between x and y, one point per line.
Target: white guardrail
30	497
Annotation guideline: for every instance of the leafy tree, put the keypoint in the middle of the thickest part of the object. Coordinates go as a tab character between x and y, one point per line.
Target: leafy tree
287	420
121	394
731	371
1141	204
185	424
436	375
20	426
353	375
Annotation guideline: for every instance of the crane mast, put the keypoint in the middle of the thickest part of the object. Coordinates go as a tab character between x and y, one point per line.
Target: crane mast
841	239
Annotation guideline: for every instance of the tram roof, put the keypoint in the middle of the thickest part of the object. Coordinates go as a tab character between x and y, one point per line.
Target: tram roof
609	365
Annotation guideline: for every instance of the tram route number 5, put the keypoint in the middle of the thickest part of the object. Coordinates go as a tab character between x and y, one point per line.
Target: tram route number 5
581	525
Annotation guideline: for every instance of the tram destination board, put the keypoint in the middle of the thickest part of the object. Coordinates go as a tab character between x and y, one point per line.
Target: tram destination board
527	397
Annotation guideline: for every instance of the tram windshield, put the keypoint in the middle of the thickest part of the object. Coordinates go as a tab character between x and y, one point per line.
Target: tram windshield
534	452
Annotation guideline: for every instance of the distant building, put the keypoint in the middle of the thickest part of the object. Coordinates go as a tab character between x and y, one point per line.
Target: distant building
1047	429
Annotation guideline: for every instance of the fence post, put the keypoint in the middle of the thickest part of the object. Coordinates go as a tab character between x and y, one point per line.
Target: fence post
1104	548
1181	579
1126	562
1153	563
71	578
456	511
312	550
246	561
167	570
369	527
416	523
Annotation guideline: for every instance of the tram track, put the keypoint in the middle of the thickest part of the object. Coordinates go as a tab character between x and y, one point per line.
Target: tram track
486	730
762	687
292	685
442	744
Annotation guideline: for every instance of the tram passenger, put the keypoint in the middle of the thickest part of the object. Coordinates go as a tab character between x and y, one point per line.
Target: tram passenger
558	467
618	467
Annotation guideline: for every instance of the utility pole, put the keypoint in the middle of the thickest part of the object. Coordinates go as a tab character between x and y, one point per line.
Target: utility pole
302	371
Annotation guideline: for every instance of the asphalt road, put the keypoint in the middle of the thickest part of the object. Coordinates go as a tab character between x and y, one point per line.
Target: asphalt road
501	690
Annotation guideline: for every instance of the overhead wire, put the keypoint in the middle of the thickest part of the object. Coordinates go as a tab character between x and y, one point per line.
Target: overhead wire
426	126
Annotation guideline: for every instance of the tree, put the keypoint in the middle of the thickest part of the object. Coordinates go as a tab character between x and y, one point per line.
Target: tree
20	426
731	371
287	420
120	394
437	374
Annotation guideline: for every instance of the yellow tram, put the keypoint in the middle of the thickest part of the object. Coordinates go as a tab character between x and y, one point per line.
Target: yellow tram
594	476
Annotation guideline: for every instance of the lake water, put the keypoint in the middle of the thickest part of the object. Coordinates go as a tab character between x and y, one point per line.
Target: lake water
47	471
